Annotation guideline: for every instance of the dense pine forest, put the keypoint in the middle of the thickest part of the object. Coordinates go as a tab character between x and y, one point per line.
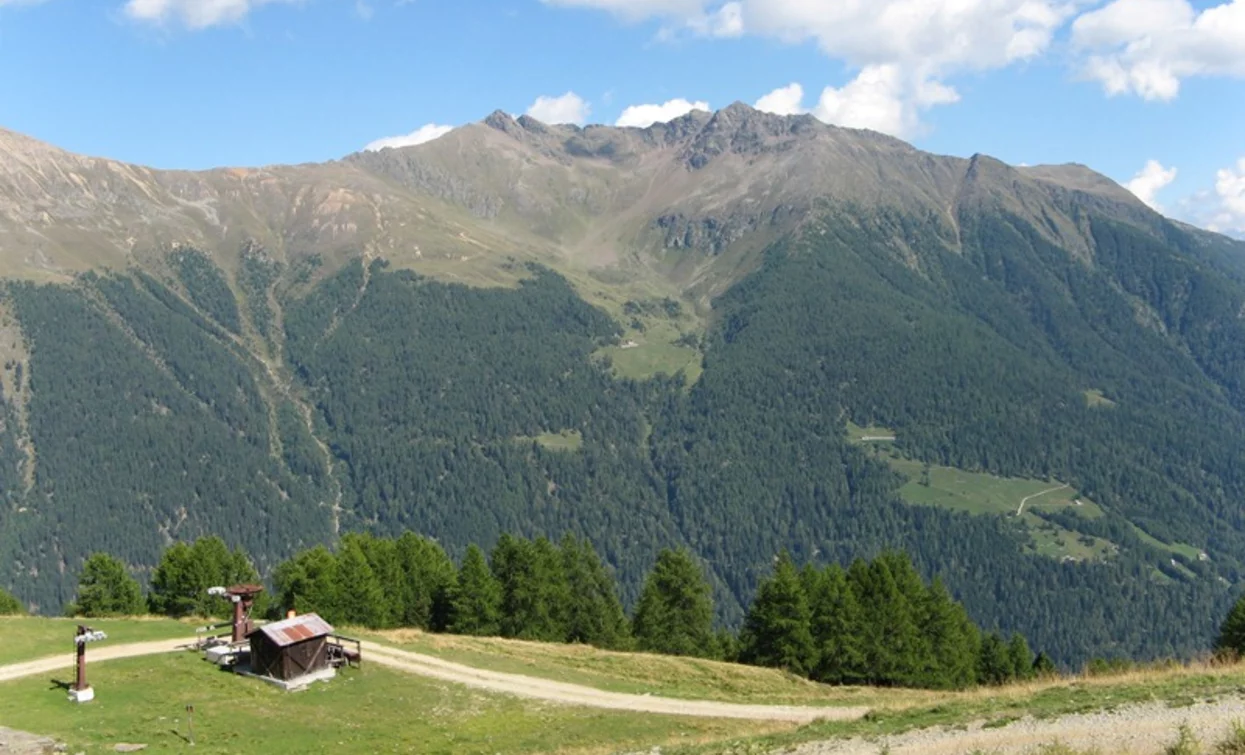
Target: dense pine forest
874	623
283	408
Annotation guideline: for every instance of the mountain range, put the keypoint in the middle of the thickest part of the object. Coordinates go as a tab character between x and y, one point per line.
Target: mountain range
677	335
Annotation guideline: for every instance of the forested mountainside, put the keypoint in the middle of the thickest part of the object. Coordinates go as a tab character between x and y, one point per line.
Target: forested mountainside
671	370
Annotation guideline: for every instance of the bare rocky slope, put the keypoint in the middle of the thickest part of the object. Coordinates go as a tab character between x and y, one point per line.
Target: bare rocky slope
688	204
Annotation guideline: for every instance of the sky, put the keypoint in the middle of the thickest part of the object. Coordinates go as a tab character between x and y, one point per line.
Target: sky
1149	92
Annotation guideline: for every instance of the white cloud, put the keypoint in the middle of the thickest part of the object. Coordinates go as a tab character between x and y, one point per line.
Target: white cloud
1147	47
1149	181
569	108
1228	215
788	100
194	14
881	97
904	50
727	21
636	10
418	136
643	116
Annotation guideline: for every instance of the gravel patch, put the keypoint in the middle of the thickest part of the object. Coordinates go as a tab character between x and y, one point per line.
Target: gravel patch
1144	729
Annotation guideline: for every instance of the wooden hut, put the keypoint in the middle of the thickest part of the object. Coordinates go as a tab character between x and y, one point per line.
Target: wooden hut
292	648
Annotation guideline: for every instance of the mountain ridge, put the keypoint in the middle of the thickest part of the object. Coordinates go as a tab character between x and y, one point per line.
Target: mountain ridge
648	337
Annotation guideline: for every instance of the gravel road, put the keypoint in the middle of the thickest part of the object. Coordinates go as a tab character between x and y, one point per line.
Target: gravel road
1133	730
491	681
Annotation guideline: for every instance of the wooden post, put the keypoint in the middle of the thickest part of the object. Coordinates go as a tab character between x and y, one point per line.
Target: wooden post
190	723
81	684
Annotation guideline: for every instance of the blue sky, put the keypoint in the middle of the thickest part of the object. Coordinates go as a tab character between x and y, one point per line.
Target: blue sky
1152	90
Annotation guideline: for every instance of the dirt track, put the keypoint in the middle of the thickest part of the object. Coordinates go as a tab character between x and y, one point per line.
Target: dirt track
492	681
1133	730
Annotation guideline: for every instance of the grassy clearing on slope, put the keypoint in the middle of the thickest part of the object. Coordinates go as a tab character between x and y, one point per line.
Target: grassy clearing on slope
984	494
1095	398
979	493
649	358
24	638
636	673
870	434
373	709
1188	551
1043	699
565	440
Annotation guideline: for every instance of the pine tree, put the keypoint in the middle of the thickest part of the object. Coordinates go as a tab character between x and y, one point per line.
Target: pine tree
361	599
176	583
534	590
382	557
953	639
105	588
429	576
180	583
477	597
9	605
550	621
308	583
1043	666
836	626
1232	631
912	642
594	612
893	646
994	664
1021	657
776	630
675	611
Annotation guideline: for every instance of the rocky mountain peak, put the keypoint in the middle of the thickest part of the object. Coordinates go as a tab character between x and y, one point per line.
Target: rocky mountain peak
744	130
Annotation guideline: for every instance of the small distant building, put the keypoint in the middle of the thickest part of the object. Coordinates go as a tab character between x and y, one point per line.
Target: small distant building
292	651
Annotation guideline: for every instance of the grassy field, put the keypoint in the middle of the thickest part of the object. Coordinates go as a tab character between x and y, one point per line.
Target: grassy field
1095	398
1188	551
26	638
649	358
1044	699
143	700
979	493
566	440
857	434
635	673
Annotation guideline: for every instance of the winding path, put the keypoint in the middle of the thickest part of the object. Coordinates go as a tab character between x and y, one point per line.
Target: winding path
490	681
1026	499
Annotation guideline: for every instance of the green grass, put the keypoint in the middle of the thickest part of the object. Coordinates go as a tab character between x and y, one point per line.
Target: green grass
978	493
1053	541
1188	551
24	638
857	434
634	673
1040	699
371	710
984	494
651	357
1095	398
566	440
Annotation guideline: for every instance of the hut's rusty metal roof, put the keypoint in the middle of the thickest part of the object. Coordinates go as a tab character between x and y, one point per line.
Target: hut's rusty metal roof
295	630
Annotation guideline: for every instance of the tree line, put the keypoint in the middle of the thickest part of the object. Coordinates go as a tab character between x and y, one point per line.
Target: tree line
876	622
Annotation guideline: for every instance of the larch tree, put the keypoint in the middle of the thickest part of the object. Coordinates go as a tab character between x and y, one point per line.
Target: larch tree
105	588
675	611
776	630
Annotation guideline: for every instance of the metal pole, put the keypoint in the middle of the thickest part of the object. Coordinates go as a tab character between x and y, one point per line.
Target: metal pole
190	722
